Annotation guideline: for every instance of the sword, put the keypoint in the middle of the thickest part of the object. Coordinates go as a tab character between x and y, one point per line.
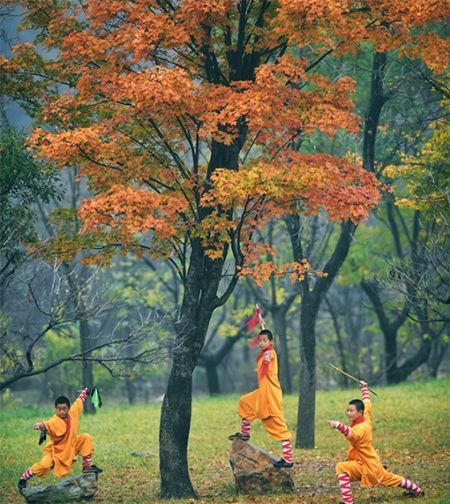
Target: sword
350	376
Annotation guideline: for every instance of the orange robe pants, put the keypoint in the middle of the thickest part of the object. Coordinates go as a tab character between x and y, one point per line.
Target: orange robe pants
265	402
60	452
363	463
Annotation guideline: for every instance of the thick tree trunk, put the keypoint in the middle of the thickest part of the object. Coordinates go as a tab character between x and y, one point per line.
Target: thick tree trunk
199	302
177	407
174	434
131	391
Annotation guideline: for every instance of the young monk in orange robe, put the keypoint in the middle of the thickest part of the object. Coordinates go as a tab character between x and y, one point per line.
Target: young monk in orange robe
363	463
265	402
60	452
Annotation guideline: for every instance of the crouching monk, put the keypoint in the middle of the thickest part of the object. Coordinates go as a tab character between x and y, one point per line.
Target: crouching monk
363	463
60	451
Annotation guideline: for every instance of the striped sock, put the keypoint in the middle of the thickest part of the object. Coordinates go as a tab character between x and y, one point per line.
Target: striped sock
27	474
87	461
245	427
287	450
346	491
409	485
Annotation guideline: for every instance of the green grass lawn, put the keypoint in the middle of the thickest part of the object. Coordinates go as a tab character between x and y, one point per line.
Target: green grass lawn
411	433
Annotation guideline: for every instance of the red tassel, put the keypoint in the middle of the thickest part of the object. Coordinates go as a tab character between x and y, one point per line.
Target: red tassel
254	341
253	322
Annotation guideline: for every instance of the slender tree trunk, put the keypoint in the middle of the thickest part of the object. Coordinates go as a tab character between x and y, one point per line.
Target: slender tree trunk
212	361
86	366
340	346
307	383
212	377
279	319
374	109
131	391
438	352
311	300
389	328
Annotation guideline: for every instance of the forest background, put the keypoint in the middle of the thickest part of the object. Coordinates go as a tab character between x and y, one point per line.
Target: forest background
190	159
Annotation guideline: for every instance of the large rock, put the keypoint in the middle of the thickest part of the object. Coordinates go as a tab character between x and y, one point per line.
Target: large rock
82	486
254	472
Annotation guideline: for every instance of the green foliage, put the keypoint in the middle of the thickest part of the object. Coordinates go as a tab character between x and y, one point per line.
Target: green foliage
411	434
23	182
61	343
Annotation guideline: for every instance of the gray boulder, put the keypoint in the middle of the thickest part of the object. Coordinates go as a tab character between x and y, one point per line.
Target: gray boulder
82	486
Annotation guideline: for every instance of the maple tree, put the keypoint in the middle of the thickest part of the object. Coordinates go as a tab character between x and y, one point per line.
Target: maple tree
185	119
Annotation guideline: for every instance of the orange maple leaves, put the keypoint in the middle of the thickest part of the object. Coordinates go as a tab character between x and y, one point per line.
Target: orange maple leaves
184	116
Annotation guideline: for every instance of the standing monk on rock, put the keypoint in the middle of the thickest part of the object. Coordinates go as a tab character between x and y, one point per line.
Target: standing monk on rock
265	402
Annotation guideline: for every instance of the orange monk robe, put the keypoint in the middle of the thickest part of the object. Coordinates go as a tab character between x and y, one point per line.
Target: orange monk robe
363	462
59	453
265	402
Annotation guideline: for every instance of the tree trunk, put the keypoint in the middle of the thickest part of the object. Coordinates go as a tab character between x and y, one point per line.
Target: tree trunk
212	377
174	433
389	328
340	345
86	366
374	109
307	389
199	302
212	361
311	300
279	319
438	351
131	390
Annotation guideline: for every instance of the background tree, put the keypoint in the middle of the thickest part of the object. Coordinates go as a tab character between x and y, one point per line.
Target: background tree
410	108
23	183
53	310
424	280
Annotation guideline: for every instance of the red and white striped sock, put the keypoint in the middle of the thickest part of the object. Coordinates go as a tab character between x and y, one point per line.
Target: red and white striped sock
346	491
87	461
365	394
344	429
27	474
409	485
245	427
287	451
